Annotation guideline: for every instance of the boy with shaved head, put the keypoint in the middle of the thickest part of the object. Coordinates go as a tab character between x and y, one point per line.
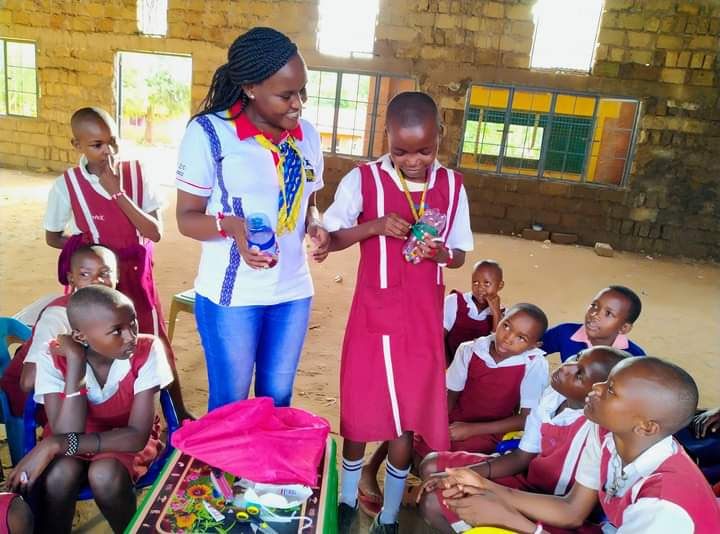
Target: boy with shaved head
642	477
108	202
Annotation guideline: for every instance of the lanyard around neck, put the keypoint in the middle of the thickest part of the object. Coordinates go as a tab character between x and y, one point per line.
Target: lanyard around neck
417	213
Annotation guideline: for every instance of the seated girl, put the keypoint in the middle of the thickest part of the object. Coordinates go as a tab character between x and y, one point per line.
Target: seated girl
98	385
89	264
494	382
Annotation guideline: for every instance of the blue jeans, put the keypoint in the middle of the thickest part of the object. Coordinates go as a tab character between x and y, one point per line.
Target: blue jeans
237	339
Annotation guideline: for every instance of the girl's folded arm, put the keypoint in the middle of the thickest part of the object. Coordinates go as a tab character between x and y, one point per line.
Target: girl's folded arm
133	437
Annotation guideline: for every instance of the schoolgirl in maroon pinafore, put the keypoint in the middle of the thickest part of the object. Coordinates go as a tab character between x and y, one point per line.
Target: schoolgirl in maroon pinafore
101	221
115	413
465	328
490	393
393	355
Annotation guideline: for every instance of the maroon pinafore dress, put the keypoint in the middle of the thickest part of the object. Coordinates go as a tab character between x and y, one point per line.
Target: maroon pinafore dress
392	375
115	413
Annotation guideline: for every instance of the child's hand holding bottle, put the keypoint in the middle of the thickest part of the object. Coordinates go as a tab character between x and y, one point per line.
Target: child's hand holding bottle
432	248
425	241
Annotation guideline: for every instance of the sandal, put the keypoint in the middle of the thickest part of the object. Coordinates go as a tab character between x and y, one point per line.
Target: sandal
369	504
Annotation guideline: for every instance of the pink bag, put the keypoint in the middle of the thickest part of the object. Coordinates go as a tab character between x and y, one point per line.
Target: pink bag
255	440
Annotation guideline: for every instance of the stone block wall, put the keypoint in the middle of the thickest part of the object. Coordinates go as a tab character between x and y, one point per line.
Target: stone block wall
662	52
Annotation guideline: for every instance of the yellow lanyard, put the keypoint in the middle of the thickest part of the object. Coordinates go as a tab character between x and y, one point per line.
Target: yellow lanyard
417	213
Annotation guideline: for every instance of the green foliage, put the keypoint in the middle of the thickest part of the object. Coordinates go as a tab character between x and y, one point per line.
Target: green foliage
158	96
167	96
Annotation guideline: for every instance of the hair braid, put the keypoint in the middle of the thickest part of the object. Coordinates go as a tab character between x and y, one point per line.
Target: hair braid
253	57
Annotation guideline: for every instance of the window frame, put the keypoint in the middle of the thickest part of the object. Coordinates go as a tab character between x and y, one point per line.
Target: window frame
566	70
118	79
378	75
351	54
6	96
512	88
139	8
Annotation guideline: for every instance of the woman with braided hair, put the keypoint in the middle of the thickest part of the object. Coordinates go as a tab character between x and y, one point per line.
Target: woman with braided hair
249	152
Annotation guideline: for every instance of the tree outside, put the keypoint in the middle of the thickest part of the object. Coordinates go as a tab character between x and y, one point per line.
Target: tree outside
154	97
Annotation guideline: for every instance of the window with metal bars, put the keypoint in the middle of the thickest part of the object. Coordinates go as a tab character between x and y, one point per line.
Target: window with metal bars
18	78
348	109
548	134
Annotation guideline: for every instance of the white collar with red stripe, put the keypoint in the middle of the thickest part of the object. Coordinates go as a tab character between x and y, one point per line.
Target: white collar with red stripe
481	349
90	177
386	164
643	466
549	403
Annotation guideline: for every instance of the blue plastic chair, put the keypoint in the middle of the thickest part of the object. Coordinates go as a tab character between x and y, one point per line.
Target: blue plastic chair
510	442
168	409
12	331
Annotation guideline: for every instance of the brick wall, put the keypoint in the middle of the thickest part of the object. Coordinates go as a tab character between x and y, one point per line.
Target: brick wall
662	52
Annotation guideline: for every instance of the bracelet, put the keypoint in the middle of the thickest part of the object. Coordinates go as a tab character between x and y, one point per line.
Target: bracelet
99	441
78	393
219	217
117	195
73	443
538	528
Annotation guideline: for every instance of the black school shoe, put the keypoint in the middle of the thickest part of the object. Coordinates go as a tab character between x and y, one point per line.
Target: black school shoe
346	517
381	528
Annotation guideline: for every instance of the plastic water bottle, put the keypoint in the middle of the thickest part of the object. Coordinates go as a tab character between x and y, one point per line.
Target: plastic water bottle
432	223
261	236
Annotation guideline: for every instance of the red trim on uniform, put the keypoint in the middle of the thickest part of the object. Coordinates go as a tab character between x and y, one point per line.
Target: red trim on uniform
192	184
244	128
6	500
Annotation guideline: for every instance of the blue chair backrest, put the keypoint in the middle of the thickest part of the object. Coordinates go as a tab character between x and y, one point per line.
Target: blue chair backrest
11	328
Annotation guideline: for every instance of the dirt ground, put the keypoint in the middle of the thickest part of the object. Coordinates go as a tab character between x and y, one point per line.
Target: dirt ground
681	298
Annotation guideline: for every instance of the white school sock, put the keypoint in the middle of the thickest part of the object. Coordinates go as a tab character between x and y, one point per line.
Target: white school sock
351	471
394	489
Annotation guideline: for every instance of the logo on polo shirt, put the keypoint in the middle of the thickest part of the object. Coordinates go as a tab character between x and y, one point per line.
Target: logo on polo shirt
181	170
309	172
98	217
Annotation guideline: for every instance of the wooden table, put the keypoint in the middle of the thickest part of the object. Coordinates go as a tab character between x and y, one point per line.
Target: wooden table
180	498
